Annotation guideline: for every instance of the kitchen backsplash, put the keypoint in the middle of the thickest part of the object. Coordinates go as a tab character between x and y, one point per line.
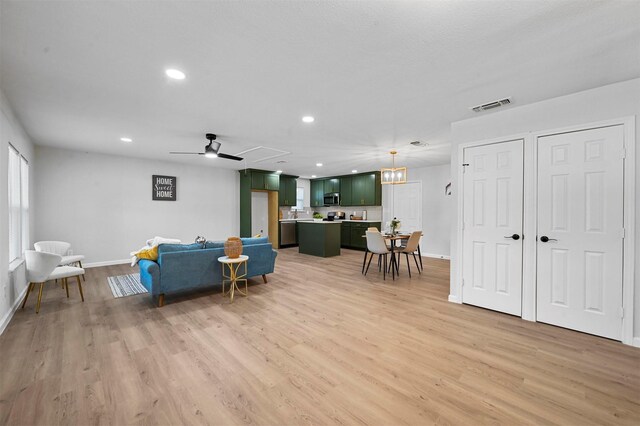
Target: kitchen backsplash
374	213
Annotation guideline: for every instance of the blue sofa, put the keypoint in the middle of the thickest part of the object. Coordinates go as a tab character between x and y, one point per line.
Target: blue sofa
182	267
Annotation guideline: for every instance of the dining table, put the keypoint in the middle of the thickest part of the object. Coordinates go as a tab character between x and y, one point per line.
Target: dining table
393	264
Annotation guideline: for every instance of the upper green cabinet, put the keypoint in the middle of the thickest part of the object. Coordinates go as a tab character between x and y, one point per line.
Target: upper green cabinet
263	180
345	191
331	185
364	189
287	192
317	193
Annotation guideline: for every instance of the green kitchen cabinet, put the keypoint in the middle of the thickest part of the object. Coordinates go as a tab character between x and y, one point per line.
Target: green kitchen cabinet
287	192
345	191
331	185
272	182
357	232
317	193
257	180
263	180
352	234
366	190
345	234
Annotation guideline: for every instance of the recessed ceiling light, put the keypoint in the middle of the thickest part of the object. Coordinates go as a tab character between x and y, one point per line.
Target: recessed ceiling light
318	164
175	74
126	139
354	171
313	176
278	171
308	119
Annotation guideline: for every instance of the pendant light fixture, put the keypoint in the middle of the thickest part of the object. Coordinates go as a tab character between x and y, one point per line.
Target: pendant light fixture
393	175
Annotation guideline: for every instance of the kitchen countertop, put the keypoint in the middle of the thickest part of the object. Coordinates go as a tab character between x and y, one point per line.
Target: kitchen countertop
336	221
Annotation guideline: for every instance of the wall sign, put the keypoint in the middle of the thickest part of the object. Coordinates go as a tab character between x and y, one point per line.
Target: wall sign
164	188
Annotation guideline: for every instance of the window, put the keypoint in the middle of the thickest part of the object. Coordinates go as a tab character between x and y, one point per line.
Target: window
299	199
24	203
18	204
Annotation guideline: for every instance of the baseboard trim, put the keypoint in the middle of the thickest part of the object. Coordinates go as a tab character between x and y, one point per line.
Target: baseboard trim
9	315
636	342
106	263
454	299
436	256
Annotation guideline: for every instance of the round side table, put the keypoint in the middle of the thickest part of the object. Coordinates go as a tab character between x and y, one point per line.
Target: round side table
233	266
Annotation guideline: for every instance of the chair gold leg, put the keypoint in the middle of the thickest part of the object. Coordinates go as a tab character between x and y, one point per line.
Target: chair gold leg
26	296
80	287
66	286
39	298
83	278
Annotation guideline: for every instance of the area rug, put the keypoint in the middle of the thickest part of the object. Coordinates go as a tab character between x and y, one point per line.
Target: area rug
126	285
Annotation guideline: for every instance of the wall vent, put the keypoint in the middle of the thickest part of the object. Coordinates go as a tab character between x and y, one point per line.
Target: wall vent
491	105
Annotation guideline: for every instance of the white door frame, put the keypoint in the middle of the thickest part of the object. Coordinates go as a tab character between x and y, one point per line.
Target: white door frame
530	219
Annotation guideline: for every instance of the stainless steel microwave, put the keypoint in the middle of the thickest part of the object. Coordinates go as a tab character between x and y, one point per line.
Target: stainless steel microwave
332	199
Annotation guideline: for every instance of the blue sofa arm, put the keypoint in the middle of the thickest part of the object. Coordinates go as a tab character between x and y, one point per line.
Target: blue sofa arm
150	276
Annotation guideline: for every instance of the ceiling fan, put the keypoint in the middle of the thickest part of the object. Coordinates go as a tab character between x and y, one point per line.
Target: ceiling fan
211	150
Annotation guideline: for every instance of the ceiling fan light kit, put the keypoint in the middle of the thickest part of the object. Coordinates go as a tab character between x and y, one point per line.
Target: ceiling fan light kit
211	150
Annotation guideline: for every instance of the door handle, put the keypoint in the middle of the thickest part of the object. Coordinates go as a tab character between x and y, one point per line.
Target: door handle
514	236
545	239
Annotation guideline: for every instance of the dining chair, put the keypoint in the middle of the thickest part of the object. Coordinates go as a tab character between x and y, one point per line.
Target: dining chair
42	267
62	248
410	249
376	245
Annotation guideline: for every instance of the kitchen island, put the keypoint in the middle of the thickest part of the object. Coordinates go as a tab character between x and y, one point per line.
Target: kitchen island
319	238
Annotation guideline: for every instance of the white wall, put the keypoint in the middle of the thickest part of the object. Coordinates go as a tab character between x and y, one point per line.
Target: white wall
102	204
12	284
436	208
603	103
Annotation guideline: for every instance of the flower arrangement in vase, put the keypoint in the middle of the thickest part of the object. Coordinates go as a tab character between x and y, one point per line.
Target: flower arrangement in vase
394	225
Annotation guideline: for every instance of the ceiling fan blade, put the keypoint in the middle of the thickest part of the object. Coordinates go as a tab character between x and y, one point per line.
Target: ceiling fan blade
189	153
229	157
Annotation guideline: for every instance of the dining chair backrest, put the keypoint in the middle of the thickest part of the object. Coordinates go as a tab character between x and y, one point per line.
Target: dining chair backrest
40	265
375	243
412	243
57	247
373	228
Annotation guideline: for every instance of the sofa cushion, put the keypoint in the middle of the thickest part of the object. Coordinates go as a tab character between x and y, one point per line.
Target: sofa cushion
253	241
167	248
214	244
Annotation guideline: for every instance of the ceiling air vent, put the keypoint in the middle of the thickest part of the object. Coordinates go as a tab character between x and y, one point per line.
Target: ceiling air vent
491	105
419	143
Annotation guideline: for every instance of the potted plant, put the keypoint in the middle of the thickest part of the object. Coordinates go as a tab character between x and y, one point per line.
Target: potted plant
317	217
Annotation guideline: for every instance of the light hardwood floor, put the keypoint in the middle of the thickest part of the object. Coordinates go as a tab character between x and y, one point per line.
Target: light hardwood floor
318	344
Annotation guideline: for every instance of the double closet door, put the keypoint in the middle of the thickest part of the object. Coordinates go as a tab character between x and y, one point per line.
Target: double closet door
579	241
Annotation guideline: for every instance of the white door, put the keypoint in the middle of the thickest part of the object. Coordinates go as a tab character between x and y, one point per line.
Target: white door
492	233
404	202
580	230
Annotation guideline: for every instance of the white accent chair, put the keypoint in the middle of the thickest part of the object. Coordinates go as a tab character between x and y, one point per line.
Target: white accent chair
42	267
377	245
410	249
62	248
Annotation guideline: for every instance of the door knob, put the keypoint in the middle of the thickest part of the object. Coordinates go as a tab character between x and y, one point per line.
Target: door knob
514	236
545	239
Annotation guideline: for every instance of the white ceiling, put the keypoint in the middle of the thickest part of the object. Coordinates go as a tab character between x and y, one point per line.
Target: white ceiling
375	75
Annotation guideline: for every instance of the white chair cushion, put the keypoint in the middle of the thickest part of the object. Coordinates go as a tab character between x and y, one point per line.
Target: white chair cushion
65	272
66	260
